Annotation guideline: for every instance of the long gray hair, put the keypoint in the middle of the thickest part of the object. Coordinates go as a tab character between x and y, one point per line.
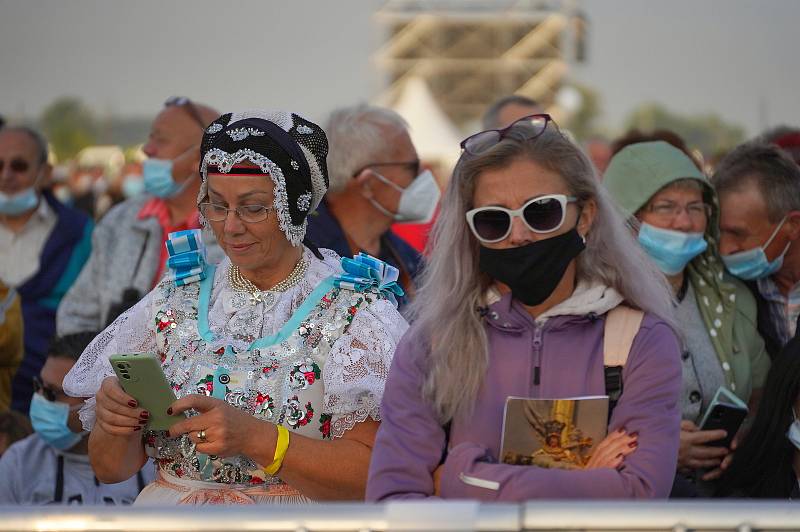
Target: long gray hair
452	287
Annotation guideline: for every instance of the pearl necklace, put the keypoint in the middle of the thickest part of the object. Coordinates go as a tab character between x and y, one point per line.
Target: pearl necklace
240	283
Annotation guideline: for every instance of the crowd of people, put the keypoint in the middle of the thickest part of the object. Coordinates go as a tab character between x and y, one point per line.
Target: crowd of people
316	353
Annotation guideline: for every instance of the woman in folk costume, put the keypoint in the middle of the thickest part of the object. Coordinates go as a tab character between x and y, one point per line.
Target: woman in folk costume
278	355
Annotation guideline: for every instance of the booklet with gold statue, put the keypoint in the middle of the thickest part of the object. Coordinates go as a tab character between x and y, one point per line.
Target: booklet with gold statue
553	433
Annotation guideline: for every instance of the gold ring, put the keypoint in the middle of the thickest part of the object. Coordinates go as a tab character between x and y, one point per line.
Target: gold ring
201	435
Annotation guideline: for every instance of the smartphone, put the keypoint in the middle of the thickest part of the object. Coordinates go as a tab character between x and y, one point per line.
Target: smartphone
726	412
141	376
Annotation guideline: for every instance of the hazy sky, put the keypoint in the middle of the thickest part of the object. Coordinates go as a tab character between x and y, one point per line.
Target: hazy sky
732	57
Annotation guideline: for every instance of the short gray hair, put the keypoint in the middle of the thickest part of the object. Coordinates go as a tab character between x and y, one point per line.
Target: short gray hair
491	118
37	138
356	135
452	287
773	172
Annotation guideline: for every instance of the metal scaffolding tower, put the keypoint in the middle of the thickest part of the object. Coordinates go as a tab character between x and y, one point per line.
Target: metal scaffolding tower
472	52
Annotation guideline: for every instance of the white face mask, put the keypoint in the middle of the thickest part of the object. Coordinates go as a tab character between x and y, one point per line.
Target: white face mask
417	201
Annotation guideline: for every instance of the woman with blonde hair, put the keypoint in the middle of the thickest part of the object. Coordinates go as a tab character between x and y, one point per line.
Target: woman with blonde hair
527	259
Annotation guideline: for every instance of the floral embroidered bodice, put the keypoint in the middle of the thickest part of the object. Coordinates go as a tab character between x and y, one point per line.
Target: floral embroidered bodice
313	359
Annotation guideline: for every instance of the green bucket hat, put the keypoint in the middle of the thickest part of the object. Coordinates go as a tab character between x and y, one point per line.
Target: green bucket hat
640	170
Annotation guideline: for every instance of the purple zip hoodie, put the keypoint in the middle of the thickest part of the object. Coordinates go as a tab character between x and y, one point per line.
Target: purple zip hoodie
568	349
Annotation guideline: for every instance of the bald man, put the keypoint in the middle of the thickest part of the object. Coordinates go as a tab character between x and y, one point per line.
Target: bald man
43	245
128	252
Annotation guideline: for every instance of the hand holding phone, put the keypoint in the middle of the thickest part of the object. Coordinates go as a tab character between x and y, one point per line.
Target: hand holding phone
141	376
726	412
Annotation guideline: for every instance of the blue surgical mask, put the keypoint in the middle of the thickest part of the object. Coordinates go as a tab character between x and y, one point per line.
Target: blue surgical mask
132	186
158	179
671	250
21	202
753	263
49	420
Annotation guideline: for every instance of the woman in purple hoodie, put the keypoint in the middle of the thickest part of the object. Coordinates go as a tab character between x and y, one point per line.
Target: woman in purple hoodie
527	257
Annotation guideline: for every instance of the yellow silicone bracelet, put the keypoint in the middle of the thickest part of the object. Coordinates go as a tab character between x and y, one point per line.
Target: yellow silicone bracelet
281	445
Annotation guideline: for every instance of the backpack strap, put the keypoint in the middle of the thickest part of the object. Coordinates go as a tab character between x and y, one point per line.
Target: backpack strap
622	325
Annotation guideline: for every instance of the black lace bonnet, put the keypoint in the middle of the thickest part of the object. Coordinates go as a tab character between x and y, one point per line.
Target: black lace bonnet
291	149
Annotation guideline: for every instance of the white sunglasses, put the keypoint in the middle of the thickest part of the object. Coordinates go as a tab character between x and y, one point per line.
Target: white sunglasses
543	214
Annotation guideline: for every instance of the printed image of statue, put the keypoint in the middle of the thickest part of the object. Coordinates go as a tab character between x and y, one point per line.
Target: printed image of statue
545	433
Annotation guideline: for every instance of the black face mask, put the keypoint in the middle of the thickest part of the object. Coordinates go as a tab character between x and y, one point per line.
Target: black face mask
532	271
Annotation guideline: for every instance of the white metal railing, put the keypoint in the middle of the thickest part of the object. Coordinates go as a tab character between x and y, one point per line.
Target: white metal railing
421	516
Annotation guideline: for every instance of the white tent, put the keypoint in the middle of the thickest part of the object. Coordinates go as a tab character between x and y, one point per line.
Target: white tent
433	134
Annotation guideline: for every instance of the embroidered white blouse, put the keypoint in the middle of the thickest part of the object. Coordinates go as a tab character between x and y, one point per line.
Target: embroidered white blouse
313	358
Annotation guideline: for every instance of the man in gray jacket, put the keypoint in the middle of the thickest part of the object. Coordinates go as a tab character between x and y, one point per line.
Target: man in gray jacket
128	252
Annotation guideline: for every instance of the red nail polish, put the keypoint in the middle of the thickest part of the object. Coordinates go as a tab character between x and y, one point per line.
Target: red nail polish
145	414
169	411
633	445
634	434
132	404
142	422
137	428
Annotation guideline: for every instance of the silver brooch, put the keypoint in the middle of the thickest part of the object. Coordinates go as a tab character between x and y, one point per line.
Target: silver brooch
304	129
304	202
214	128
295	165
242	133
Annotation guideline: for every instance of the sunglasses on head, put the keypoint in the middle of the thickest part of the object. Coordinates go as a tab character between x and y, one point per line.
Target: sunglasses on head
543	214
485	140
16	165
186	103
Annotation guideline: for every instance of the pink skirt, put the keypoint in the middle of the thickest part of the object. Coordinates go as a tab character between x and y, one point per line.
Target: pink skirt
169	490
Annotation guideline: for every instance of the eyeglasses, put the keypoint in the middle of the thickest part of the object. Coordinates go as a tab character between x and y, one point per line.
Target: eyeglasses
41	388
697	211
247	213
16	165
485	140
544	214
413	166
186	103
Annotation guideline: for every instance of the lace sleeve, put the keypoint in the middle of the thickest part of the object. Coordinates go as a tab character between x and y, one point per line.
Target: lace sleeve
358	364
131	332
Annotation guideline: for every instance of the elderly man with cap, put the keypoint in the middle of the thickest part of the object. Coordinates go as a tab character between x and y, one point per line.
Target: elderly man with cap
44	245
129	256
282	350
375	182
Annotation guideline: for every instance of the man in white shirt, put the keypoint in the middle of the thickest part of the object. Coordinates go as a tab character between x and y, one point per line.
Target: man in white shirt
44	246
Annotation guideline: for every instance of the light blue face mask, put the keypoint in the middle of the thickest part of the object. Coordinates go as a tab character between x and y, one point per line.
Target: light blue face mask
671	250
49	420
753	263
15	204
158	179
132	187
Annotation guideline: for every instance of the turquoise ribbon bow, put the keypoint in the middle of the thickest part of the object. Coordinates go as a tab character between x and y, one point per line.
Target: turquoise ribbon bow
365	273
187	257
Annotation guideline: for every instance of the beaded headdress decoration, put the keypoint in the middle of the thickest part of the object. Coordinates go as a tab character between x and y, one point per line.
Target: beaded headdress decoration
288	148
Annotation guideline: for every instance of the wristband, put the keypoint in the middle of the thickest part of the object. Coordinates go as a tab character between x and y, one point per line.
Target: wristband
281	445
